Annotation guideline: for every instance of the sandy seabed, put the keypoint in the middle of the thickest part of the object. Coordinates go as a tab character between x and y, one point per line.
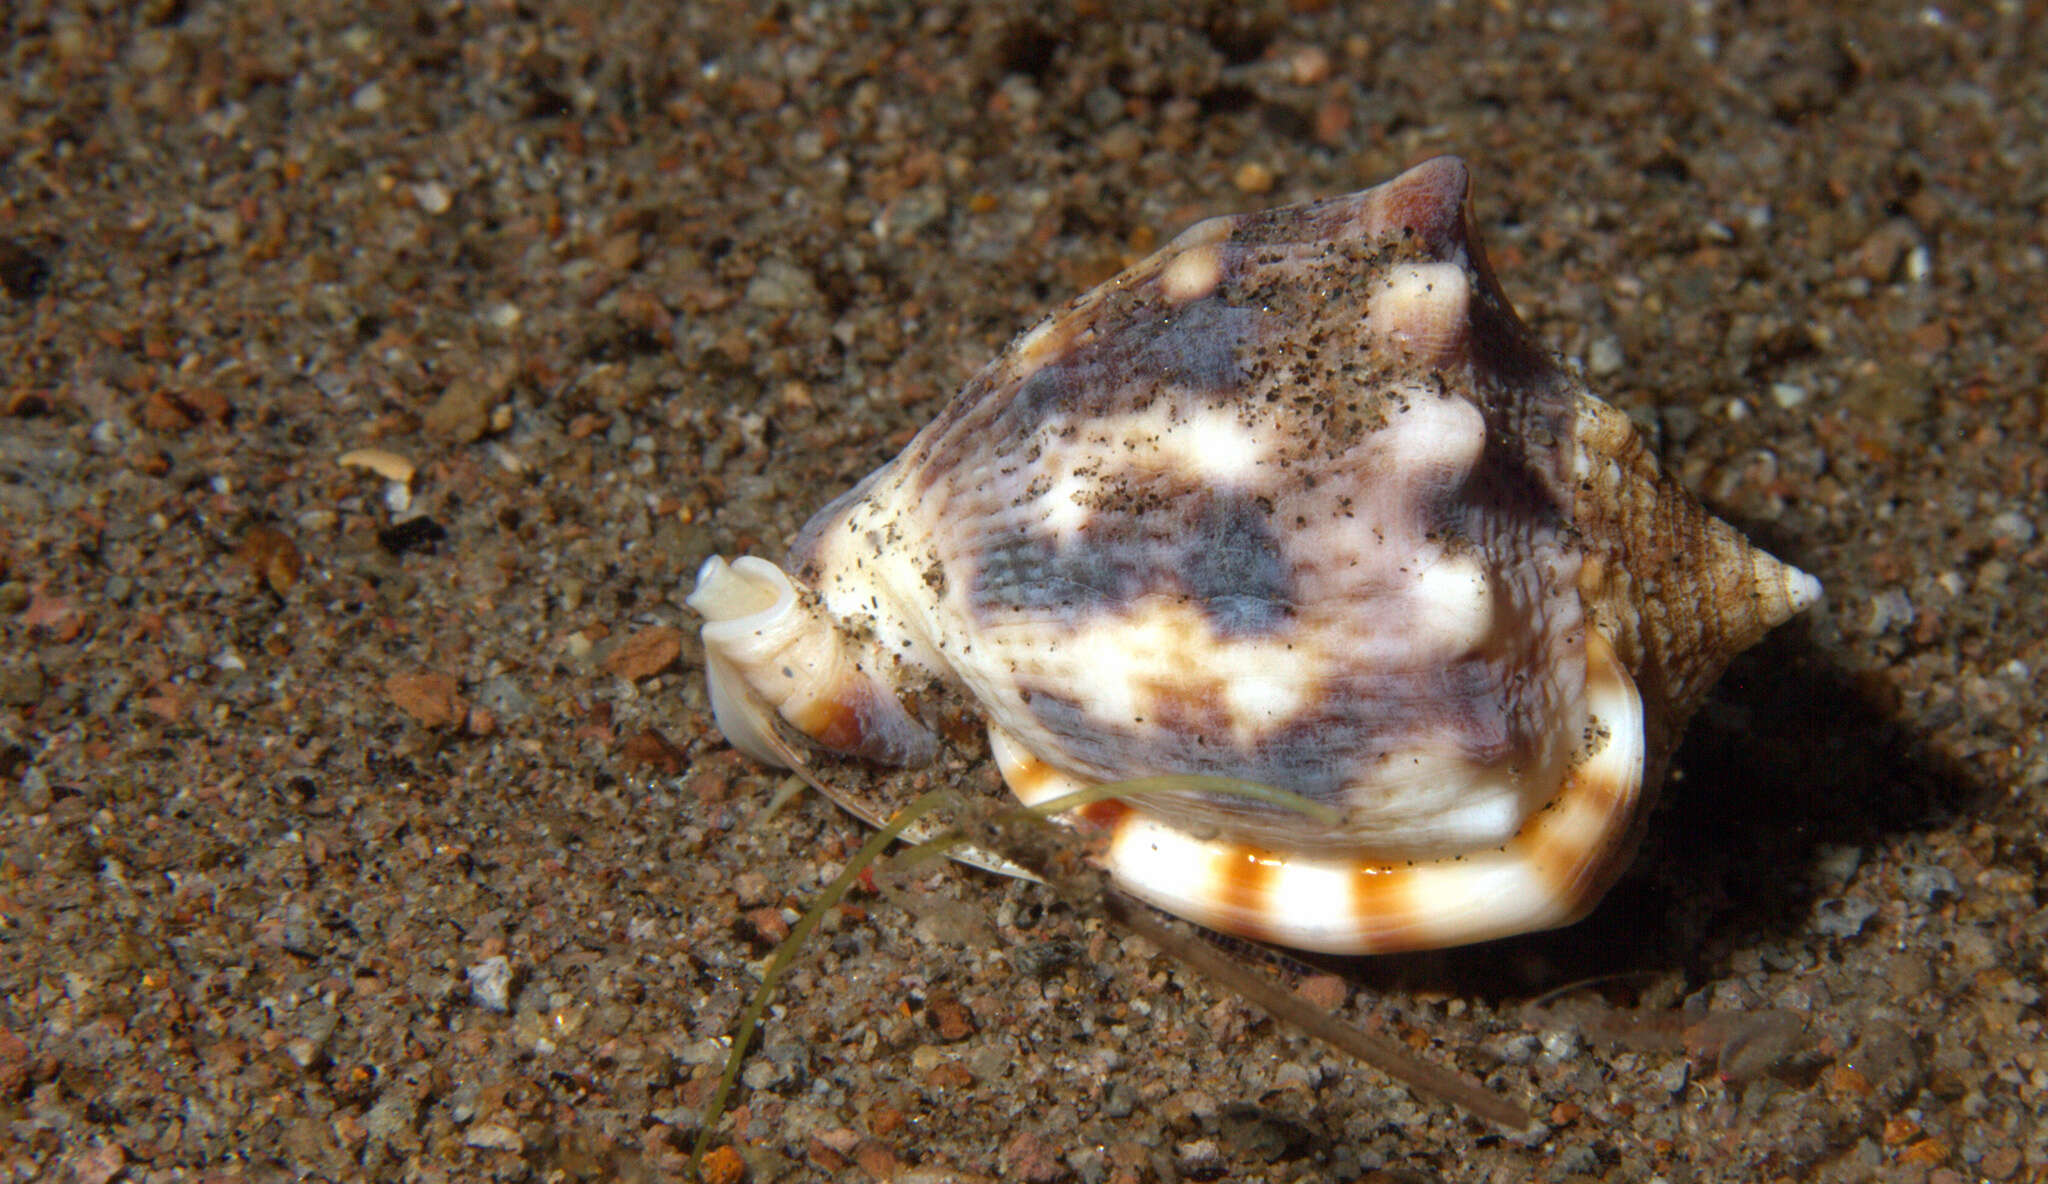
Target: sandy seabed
373	379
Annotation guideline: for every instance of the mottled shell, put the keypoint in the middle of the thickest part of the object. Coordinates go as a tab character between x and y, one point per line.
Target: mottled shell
1298	500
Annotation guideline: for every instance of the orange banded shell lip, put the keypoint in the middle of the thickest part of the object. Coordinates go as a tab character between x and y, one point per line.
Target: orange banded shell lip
1549	874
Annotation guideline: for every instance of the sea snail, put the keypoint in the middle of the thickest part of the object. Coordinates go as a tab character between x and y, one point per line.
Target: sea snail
1297	500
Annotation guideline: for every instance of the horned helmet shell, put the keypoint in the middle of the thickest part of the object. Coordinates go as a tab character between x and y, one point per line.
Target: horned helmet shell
1297	500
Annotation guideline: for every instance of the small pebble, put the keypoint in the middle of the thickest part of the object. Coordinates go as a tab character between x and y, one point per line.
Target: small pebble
22	683
2013	527
723	1165
1560	1044
393	1115
1843	917
1308	65
1889	609
949	1018
36	795
1253	177
1031	1159
1327	991
1928	882
780	284
1574	1159
386	464
462	414
490	984
1604	358
432	197
2000	1163
763	1074
1200	1159
493	1136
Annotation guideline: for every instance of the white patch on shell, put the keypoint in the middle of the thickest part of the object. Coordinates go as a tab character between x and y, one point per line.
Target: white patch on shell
1065	505
869	586
1431	434
1193	275
1264	697
1211	444
1459	600
1214	443
1127	656
1422	309
1428	803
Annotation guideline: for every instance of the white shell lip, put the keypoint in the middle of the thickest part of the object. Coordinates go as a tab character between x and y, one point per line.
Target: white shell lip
739	597
739	601
771	651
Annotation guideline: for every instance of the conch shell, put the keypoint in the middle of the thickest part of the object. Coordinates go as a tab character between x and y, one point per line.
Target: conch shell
1298	500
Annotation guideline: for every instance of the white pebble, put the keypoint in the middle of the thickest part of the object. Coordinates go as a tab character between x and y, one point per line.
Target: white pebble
1604	358
432	197
1890	608
490	983
1560	1044
2013	526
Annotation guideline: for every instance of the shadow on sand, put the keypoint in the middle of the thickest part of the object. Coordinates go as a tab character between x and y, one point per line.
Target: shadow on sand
1788	758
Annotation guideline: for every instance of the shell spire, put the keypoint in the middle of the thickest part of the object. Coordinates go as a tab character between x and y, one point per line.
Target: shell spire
1679	591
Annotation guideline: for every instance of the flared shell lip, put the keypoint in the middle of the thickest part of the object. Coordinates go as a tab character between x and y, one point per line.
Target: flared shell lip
748	723
718	599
